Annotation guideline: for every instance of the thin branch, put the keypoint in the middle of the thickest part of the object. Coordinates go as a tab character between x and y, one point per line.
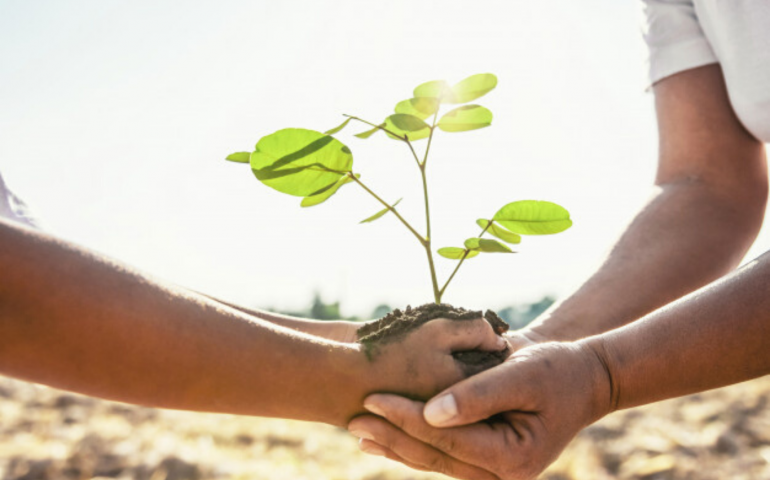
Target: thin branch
389	207
430	138
462	259
414	154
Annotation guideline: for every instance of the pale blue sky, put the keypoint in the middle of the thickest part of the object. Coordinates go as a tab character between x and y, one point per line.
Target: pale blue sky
116	116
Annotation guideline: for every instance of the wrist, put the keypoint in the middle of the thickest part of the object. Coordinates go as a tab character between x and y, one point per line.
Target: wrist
604	386
354	377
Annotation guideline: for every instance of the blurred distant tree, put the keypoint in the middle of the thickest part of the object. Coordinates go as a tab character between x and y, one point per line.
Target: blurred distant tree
381	310
516	316
318	310
324	311
520	316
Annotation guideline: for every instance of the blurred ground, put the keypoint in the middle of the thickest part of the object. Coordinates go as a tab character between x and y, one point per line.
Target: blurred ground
50	434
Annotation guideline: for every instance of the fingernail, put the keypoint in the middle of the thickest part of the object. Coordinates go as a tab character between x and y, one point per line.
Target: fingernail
371	448
374	408
362	434
501	343
441	410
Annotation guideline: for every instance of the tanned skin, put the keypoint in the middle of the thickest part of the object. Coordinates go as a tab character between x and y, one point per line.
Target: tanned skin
706	210
76	320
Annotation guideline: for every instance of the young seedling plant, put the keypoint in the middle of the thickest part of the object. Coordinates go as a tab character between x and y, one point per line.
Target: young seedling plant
315	165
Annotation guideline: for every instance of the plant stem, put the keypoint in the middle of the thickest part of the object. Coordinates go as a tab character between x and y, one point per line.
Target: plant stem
434	281
462	259
430	139
389	207
427	244
424	241
414	154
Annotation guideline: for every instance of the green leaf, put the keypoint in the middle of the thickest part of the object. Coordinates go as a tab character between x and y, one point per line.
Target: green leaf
533	217
380	213
487	245
407	125
300	162
473	87
338	128
472	243
493	246
467	117
456	253
439	89
240	157
497	231
324	194
422	107
369	133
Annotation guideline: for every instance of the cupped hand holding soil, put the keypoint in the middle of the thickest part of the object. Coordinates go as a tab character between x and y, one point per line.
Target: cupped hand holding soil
425	326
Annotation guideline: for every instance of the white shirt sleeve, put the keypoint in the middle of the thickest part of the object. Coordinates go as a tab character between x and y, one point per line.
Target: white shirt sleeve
675	38
13	208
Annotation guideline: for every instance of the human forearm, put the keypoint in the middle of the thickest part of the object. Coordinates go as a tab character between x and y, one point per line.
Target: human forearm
514	420
75	320
686	236
711	338
713	179
337	330
704	215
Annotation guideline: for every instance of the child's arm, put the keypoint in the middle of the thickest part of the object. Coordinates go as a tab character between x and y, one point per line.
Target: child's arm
336	330
72	319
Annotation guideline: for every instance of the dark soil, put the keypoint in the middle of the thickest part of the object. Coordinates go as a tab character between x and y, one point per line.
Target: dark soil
398	324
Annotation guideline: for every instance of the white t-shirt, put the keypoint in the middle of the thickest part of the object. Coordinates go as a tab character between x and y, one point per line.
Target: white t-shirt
685	34
12	207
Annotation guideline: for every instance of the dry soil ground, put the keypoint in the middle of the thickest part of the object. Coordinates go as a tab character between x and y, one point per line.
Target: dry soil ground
50	434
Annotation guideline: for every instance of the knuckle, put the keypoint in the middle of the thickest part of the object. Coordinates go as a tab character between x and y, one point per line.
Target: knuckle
437	463
397	442
399	421
383	435
445	443
477	327
389	442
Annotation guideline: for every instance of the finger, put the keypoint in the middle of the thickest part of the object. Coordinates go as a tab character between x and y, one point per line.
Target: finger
371	447
385	439
518	340
472	444
459	335
506	387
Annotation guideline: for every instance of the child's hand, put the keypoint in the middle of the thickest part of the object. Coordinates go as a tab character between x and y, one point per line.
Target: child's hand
424	362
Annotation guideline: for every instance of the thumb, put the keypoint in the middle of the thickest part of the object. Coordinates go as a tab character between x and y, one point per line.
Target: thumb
477	398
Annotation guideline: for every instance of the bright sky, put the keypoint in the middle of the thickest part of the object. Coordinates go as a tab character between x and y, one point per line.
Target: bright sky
115	118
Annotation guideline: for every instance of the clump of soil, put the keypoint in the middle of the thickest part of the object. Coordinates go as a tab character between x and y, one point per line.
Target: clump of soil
398	324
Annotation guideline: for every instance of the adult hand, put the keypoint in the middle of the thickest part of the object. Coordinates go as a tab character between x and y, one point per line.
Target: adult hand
508	423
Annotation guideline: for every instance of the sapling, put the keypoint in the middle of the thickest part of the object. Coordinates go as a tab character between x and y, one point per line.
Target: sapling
315	165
